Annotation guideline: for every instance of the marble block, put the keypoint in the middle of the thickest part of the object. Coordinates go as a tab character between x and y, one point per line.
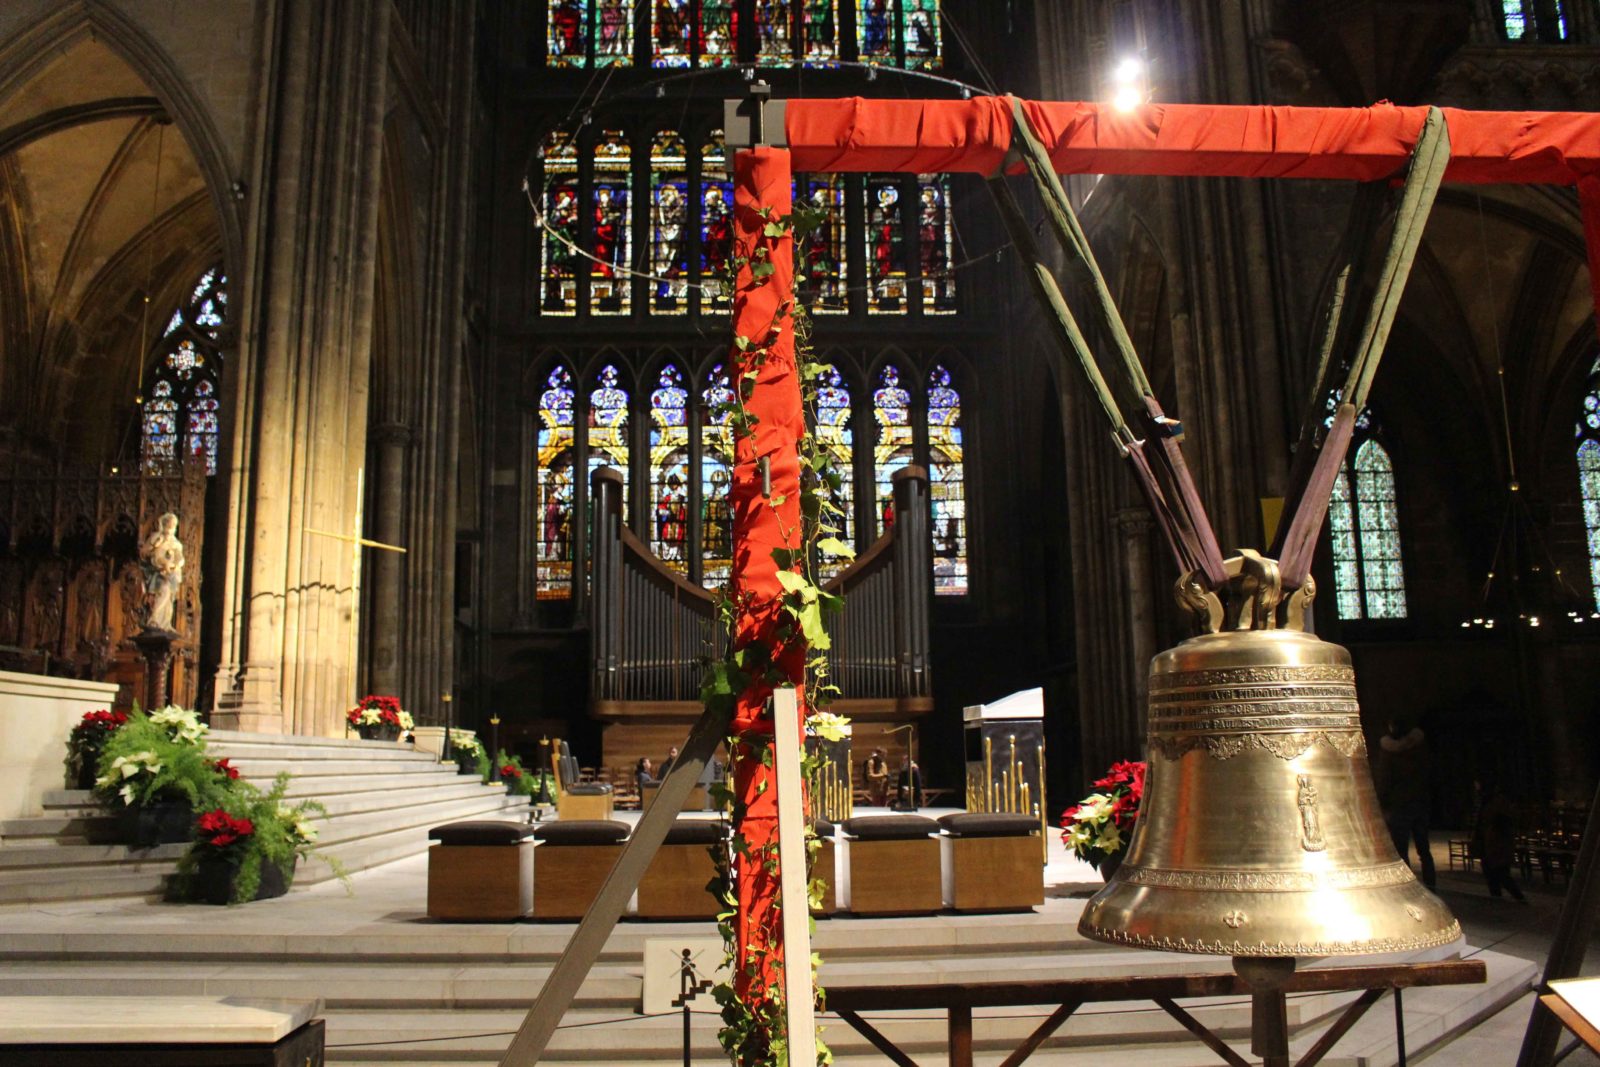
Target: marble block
150	1020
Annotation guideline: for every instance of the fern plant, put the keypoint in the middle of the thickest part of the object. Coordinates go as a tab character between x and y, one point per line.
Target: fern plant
146	761
248	829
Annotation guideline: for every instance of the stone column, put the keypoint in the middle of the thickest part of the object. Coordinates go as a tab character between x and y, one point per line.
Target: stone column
387	569
301	376
1134	528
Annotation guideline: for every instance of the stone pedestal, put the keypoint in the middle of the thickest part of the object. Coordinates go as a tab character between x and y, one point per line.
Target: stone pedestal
36	715
156	647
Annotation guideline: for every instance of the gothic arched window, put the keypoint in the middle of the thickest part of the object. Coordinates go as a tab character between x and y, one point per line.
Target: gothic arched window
834	435
608	429
885	239
1589	474
947	485
669	225
902	33
180	417
716	223
611	204
823	271
935	244
1368	575
553	499
1534	20
560	159
891	409
669	469
595	33
716	476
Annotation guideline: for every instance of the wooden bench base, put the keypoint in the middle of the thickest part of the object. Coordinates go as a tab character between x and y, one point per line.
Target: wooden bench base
894	877
567	878
824	868
480	883
573	807
992	873
674	885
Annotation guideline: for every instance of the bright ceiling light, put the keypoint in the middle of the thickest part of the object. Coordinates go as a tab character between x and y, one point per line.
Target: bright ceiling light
1126	98
1129	69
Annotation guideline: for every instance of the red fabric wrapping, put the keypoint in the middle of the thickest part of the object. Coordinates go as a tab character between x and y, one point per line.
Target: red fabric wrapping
971	136
920	136
1589	198
762	180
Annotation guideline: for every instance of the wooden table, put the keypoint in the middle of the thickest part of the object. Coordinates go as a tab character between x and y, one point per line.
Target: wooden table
958	1001
1574	1001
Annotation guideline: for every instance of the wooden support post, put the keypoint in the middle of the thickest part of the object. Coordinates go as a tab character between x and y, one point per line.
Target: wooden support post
601	918
960	1035
799	994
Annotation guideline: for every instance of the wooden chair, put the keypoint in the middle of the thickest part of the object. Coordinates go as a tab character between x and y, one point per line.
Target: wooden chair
991	861
571	862
891	865
577	799
480	871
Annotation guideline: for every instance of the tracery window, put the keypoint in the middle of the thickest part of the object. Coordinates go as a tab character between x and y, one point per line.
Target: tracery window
885	252
834	434
1368	574
1588	432
560	205
891	409
612	209
824	266
669	216
594	33
947	485
903	33
716	223
716	477
608	429
935	244
1534	20
669	469
180	413
553	497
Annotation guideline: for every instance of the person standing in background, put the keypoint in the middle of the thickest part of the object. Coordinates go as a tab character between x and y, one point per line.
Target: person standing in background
876	772
1402	779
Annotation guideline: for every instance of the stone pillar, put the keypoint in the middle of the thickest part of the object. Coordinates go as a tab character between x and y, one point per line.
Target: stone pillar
301	376
1134	527
387	569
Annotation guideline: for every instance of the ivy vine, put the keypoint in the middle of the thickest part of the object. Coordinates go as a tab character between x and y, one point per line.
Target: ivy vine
753	1027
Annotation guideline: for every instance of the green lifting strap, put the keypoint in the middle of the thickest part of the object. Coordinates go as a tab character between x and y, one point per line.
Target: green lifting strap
1200	549
1306	504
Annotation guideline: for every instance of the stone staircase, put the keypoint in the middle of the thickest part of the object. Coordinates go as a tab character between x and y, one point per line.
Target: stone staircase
396	988
381	798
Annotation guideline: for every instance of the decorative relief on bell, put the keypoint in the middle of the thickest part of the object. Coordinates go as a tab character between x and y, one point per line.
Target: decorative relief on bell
1310	824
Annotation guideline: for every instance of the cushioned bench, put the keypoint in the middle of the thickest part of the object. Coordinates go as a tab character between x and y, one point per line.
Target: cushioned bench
674	885
892	865
826	867
992	861
574	857
480	871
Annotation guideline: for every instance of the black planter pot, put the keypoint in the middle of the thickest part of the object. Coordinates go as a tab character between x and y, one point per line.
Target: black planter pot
166	822
378	731
466	766
85	776
212	882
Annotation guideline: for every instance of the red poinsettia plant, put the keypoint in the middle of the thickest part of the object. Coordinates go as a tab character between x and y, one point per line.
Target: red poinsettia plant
88	738
217	829
511	771
225	768
375	710
1098	826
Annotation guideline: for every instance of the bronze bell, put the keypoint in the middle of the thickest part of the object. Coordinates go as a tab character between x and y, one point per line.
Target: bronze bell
1259	833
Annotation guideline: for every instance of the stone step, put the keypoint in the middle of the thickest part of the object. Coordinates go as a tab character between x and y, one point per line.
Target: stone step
264	770
348	827
130	879
66	828
18	857
225	741
374	849
394	784
377	800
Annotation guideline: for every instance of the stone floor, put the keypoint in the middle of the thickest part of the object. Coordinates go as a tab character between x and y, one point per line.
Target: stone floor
385	903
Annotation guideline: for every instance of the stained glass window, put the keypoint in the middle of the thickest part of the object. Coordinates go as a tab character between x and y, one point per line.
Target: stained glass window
885	246
936	244
922	34
774	32
669	469
891	410
820	29
560	156
553	501
876	26
608	429
613	30
1514	19
669	220
1525	20
823	271
1368	578
180	418
716	223
613	224
947	485
719	33
160	428
1589	474
716	476
568	42
834	435
671	29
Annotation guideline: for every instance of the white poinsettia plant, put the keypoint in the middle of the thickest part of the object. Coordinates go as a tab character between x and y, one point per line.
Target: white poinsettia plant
184	726
125	773
465	742
826	725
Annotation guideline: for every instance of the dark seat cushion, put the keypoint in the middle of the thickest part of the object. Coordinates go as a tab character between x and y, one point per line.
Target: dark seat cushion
824	829
588	789
889	827
694	832
989	824
581	832
481	832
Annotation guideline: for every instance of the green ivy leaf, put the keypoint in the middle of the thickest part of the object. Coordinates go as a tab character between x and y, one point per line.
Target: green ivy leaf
832	546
